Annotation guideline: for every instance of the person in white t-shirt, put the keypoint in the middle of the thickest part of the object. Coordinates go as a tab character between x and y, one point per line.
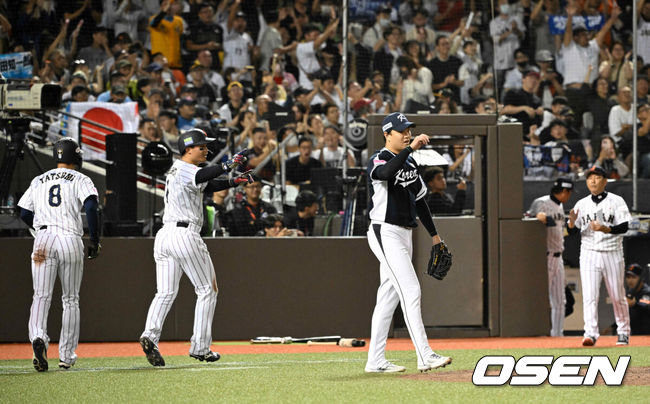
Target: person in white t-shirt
308	63
643	30
578	53
621	116
331	155
506	30
238	46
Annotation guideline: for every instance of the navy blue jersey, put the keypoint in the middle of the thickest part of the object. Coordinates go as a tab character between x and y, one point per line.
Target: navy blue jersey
392	200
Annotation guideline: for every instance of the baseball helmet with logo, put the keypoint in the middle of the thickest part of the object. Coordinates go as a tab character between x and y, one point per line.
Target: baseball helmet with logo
67	150
193	137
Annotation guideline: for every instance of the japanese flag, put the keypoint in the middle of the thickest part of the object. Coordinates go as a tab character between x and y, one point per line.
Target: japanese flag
122	118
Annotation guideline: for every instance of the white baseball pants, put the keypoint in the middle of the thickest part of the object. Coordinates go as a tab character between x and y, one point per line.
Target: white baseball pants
55	253
595	266
556	295
393	247
178	250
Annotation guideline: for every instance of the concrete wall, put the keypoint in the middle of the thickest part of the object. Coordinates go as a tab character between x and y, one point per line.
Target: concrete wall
294	287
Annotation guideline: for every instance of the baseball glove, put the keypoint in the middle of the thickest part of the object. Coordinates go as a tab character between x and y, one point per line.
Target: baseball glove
440	261
93	250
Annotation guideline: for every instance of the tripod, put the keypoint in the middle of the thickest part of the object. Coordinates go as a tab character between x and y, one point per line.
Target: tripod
15	149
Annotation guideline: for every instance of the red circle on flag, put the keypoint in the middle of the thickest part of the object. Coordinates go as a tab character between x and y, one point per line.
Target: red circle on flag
94	135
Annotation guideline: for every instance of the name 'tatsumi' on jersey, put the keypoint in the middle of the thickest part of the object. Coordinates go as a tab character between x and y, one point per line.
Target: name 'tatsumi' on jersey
57	176
404	178
585	220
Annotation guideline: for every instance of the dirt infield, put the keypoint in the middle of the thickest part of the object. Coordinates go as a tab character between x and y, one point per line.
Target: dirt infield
118	349
633	376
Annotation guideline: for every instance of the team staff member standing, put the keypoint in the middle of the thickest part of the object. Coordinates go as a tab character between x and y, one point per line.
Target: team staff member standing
602	218
52	205
179	247
396	198
549	210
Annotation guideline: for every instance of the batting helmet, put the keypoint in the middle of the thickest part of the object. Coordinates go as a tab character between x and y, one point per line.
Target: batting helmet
157	158
193	137
66	150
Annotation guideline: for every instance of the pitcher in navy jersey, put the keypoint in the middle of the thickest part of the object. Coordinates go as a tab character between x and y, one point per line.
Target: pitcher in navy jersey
396	198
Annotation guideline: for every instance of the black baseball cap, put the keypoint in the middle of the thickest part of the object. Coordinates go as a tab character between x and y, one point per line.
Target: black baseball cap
579	29
186	101
153	67
193	137
560	99
396	121
598	170
634	269
563	182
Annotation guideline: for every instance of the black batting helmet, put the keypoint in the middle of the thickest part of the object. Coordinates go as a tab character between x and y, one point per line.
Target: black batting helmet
193	137
157	158
66	150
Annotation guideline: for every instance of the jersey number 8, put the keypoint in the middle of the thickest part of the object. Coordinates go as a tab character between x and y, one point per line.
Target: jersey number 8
55	195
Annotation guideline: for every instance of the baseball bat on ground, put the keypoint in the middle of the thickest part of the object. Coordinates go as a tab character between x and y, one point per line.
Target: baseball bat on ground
344	342
289	340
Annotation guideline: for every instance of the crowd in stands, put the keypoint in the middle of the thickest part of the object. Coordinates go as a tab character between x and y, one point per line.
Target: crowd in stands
562	68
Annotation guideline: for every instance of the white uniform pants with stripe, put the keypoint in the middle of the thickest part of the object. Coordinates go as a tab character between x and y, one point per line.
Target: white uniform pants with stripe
393	247
178	250
556	295
57	254
608	265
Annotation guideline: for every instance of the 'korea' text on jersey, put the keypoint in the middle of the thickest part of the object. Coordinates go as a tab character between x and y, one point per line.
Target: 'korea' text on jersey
393	201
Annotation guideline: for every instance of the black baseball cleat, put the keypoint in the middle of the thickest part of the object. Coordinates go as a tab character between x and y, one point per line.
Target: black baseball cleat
623	339
65	365
209	357
151	351
40	355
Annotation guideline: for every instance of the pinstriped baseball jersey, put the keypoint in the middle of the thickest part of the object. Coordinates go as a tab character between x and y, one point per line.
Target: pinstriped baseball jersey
56	198
555	211
393	201
183	196
608	209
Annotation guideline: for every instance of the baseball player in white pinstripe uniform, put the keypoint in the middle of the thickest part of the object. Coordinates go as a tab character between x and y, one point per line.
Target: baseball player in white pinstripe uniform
396	197
549	210
52	205
602	218
179	247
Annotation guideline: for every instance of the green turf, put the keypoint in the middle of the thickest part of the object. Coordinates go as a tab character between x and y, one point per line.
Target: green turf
324	377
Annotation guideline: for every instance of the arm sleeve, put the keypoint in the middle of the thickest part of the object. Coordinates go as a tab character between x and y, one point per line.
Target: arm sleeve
90	206
207	173
157	19
425	216
218	184
620	228
27	216
388	170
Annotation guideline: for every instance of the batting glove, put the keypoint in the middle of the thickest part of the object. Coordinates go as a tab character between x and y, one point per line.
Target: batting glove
236	160
243	178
